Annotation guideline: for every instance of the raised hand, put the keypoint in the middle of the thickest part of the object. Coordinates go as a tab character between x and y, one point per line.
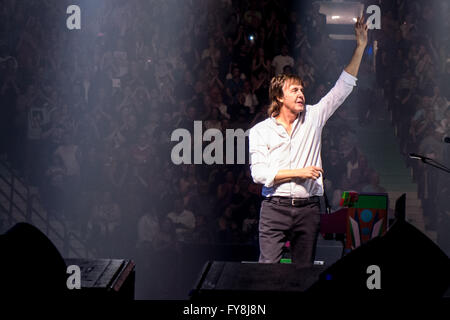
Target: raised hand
361	32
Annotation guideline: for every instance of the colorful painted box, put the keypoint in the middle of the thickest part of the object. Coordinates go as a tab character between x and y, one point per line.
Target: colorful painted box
367	217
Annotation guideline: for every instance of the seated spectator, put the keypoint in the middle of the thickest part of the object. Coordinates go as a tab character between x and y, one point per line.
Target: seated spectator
106	214
444	123
70	154
53	193
233	85
306	72
300	38
432	144
148	229
212	52
184	89
104	224
225	191
183	220
330	68
253	15
165	237
202	200
214	79
260	85
202	233
217	101
213	120
116	173
250	225
188	180
243	59
282	60
242	198
248	98
260	63
439	104
206	106
374	185
422	122
141	152
287	70
319	93
358	172
334	168
445	80
228	231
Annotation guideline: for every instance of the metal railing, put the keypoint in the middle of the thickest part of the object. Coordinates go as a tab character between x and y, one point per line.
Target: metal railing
14	196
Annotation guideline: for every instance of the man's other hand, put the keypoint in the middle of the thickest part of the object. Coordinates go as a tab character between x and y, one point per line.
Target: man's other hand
311	172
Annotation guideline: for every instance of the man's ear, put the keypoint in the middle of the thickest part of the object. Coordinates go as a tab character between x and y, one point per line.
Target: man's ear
280	99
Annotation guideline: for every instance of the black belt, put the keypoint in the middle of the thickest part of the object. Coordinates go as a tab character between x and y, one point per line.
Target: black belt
294	202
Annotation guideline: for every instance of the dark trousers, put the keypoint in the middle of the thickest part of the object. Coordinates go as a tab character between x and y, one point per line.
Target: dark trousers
280	222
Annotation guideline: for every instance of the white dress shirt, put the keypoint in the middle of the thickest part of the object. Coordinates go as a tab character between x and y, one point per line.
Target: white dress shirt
272	149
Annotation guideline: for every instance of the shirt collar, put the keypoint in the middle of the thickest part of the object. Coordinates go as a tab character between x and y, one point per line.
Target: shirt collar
299	117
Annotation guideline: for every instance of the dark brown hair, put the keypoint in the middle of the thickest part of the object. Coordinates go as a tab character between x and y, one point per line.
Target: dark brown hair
276	91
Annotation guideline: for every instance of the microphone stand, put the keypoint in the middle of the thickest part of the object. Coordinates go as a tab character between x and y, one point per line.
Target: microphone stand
430	162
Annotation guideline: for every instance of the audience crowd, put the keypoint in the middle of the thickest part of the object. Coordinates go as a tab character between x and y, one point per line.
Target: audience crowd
87	115
413	73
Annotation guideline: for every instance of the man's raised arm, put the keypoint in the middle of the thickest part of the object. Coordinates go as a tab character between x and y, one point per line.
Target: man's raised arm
347	80
361	42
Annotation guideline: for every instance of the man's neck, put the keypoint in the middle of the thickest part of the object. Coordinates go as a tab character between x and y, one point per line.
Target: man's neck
286	117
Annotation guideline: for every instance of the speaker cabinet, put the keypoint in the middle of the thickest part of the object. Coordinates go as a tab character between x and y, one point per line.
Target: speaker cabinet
234	280
104	279
409	265
402	263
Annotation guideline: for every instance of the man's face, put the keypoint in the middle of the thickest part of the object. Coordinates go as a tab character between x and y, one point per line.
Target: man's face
293	98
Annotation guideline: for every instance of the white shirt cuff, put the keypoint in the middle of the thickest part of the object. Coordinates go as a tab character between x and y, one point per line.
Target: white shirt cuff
348	78
271	178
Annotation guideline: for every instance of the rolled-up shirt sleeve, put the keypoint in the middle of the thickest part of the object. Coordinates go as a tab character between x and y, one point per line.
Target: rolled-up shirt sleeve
260	168
335	97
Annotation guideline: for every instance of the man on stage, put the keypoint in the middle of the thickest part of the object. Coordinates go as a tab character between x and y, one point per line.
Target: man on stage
285	158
